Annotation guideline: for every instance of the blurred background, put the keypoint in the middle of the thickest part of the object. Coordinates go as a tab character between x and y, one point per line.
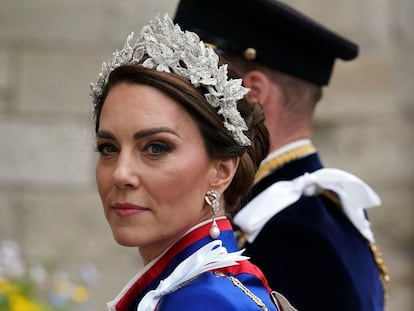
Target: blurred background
51	221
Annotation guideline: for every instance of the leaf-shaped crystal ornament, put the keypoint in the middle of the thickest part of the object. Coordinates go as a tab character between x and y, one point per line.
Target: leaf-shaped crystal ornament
163	46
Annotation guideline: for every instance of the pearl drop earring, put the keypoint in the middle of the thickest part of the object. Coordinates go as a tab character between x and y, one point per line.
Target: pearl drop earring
212	198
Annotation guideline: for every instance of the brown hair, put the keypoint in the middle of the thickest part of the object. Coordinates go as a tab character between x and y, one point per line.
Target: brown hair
218	142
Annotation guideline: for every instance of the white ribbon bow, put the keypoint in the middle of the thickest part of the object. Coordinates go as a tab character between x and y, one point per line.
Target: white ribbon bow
211	256
355	196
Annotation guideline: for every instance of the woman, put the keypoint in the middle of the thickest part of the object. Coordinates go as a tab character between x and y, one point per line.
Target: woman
179	145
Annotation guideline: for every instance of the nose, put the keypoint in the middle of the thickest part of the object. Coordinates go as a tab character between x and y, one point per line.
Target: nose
125	174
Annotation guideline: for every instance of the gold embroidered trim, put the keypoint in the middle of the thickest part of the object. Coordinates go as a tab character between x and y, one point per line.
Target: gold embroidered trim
385	277
283	159
245	290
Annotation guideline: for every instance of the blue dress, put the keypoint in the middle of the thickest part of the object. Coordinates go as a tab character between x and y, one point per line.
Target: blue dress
235	287
312	254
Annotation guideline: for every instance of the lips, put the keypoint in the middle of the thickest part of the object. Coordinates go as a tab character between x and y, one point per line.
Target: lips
127	209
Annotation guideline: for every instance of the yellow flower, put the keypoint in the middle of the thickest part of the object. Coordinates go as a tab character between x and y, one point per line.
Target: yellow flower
80	294
21	303
7	288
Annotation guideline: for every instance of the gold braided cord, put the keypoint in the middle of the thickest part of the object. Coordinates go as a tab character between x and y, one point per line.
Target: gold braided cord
385	277
284	158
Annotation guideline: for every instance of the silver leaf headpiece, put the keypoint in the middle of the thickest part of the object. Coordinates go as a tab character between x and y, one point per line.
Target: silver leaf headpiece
163	46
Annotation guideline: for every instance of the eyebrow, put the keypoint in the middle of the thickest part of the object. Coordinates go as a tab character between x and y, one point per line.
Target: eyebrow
140	134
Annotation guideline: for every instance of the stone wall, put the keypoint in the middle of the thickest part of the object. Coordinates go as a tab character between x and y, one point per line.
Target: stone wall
51	50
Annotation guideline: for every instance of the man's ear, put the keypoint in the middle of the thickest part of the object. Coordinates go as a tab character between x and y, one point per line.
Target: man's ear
225	169
260	85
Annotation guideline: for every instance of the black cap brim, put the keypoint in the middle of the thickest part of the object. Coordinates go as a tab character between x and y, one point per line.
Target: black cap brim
283	38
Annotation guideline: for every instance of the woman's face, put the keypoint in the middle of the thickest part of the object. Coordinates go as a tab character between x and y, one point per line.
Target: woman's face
153	170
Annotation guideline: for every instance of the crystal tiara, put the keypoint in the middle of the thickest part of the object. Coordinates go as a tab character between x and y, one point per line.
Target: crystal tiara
163	46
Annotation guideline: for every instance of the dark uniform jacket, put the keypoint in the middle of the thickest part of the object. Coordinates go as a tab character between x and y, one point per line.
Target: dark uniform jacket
312	254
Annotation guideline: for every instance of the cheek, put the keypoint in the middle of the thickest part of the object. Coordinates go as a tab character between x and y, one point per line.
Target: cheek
185	185
102	181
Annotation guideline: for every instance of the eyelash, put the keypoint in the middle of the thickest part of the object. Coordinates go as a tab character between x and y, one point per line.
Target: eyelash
165	148
102	149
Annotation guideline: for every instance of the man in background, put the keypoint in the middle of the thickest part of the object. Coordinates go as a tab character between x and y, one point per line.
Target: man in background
305	226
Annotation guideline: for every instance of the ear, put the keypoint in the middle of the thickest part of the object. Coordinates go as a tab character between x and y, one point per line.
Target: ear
225	169
260	85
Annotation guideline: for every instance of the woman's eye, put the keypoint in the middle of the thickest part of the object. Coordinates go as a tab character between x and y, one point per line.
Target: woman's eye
158	148
107	149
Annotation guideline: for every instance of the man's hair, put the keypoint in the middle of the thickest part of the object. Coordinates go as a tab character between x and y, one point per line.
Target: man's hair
299	95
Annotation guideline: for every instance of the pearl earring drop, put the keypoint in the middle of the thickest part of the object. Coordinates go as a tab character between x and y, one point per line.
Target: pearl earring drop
212	198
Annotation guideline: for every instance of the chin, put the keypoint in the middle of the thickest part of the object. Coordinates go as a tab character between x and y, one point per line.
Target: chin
125	239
